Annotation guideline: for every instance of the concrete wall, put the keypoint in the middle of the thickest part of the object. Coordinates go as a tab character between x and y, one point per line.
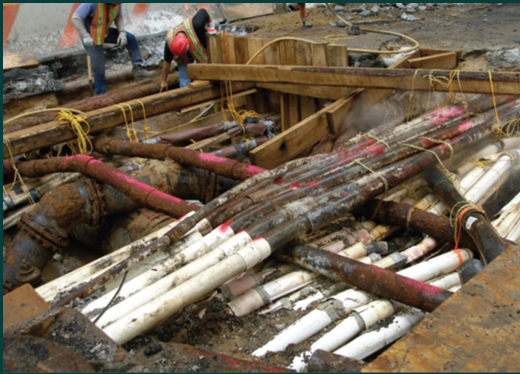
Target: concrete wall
47	29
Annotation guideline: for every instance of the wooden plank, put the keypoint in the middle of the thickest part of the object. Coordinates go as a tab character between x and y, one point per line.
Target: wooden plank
436	51
24	59
475	330
199	84
241	50
214	44
337	55
307	106
289	144
53	133
395	79
228	47
255	44
261	101
319	54
249	10
272	54
319	92
287	52
446	60
303	54
294	110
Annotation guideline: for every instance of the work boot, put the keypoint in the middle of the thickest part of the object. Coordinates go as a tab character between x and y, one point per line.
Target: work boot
140	73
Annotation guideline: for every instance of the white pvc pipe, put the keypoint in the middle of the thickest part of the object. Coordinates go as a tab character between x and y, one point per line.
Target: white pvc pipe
371	342
262	295
438	265
515	201
163	283
49	290
151	314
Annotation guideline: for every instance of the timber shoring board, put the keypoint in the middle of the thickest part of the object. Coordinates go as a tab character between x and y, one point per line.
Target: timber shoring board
24	59
53	133
254	45
337	55
248	11
445	61
475	330
394	79
214	43
319	55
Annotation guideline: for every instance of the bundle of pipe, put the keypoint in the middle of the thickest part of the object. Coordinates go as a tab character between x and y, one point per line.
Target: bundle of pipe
233	129
508	224
342	200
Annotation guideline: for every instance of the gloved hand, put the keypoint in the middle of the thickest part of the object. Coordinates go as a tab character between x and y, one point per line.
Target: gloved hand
88	41
121	39
210	28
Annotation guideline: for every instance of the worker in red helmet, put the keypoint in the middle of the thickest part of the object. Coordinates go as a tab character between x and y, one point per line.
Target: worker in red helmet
186	43
93	21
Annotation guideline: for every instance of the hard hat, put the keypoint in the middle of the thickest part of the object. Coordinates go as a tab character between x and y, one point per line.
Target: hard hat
179	45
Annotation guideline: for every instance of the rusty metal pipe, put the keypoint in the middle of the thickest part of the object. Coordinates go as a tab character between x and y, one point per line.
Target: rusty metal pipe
413	219
474	222
141	193
218	165
368	278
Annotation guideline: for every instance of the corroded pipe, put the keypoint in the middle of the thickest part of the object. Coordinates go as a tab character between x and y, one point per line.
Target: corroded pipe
141	193
218	165
368	278
474	222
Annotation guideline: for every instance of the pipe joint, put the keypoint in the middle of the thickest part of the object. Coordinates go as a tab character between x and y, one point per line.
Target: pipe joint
50	241
334	308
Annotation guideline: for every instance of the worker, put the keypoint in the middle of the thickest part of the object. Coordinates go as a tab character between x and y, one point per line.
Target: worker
93	20
186	43
304	16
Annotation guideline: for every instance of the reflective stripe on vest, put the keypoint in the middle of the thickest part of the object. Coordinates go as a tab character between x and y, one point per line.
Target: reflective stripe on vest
195	47
100	23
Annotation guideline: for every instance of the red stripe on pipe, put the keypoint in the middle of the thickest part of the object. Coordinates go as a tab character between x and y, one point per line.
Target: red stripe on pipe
10	13
70	34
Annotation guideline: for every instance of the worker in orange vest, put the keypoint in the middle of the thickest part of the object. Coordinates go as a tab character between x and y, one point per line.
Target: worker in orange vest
93	21
186	43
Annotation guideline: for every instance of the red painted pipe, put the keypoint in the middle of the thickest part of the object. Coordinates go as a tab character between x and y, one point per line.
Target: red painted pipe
218	165
139	192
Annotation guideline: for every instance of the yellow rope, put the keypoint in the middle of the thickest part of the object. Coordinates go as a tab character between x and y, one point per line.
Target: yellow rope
365	135
333	38
410	109
17	174
441	142
43	111
74	123
460	208
358	161
128	132
145	128
451	177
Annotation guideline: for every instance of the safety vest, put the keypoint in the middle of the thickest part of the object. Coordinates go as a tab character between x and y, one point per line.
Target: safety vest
101	23
195	47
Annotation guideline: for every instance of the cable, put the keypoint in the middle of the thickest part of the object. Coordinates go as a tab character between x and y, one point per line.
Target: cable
113	298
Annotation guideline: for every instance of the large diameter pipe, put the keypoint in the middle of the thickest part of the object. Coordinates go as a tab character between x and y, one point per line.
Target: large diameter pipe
474	222
368	278
218	165
141	193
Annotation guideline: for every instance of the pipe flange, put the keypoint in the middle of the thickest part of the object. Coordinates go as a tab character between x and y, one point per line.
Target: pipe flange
98	201
49	241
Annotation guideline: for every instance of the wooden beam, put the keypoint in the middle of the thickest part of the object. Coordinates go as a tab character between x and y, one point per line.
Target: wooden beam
337	55
289	144
319	55
52	133
228	48
395	79
446	60
319	92
436	51
25	60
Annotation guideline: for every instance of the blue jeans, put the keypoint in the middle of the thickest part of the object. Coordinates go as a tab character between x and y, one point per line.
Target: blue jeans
97	57
183	75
